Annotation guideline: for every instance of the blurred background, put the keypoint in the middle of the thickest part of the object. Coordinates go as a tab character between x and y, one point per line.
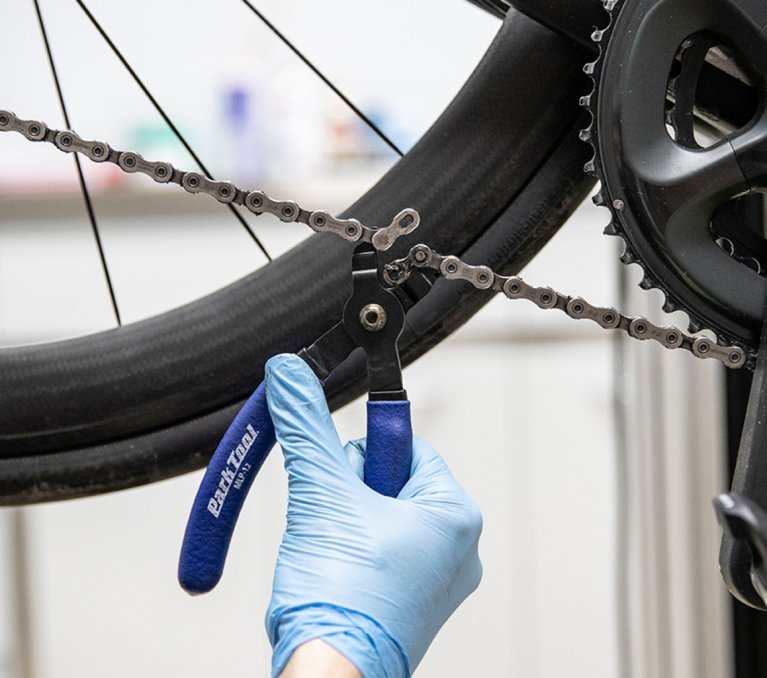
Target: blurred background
593	460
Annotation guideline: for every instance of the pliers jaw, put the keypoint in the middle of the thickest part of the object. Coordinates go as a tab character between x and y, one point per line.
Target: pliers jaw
373	319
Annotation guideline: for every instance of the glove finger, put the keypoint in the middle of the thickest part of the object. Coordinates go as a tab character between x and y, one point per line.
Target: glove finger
429	474
355	454
302	422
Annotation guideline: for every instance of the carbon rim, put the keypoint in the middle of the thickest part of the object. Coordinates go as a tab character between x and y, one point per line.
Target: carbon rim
150	400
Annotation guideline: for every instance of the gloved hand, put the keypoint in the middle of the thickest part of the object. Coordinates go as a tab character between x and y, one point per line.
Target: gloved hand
374	577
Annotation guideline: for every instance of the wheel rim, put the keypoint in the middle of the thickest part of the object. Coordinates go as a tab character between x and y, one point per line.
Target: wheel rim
531	180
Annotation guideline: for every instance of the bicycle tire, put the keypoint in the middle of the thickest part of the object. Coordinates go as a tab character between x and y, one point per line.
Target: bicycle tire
493	179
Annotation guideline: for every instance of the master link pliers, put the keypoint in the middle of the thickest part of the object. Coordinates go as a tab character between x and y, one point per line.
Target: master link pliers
373	318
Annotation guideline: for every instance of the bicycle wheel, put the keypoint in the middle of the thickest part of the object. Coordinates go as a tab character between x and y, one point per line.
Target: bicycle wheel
493	179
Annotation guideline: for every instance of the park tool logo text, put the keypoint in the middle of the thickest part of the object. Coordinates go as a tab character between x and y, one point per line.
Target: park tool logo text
230	476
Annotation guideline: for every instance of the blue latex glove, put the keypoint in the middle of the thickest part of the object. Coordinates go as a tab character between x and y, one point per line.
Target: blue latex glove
374	577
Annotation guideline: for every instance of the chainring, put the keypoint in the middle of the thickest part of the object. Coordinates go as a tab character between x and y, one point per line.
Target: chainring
663	187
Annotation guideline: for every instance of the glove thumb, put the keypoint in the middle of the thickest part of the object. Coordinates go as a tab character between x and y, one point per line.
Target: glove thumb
302	422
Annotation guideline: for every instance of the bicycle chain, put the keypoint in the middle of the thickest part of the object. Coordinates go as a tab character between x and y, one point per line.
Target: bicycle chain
382	239
225	192
514	287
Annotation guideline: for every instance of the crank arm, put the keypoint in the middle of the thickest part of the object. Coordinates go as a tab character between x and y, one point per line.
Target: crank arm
741	513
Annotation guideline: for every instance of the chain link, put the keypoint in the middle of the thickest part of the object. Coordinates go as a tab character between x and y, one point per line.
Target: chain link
395	273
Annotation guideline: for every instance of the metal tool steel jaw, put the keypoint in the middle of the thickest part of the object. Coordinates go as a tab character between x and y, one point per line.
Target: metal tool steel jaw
373	319
743	555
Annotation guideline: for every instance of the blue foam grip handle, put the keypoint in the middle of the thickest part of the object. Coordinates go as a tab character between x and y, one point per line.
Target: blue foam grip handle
389	450
231	472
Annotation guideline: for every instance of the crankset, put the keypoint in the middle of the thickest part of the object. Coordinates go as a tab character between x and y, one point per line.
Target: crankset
684	176
670	173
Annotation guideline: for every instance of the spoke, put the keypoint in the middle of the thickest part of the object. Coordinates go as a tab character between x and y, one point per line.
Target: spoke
323	77
80	175
168	121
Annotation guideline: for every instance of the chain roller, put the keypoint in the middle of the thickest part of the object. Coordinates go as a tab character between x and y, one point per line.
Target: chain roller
69	142
34	130
349	229
259	203
223	191
131	162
